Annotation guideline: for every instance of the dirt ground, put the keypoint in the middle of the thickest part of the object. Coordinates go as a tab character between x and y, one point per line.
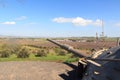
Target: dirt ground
36	70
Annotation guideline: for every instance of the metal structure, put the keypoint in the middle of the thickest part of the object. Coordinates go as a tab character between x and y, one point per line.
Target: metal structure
102	65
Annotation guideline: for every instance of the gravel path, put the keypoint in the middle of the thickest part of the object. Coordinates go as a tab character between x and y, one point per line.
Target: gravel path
35	70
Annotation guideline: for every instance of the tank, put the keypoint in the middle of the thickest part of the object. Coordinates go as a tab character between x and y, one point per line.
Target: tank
102	65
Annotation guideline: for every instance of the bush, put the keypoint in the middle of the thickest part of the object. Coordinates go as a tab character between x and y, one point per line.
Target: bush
23	53
16	49
10	48
71	60
73	56
4	53
61	53
41	53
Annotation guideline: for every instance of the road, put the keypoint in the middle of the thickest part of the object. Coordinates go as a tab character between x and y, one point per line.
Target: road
36	70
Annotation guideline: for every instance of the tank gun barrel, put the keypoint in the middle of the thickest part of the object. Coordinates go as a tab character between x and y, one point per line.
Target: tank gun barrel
84	56
69	48
79	54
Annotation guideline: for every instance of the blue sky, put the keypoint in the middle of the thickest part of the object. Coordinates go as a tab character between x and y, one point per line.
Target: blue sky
59	18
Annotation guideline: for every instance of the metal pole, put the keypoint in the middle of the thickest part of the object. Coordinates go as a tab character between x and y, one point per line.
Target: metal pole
118	41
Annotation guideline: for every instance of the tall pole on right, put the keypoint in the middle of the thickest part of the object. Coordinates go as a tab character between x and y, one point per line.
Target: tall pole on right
118	41
102	30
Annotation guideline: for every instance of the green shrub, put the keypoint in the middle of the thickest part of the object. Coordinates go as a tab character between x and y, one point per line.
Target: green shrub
61	53
56	50
23	53
72	56
41	53
11	48
4	53
16	49
72	60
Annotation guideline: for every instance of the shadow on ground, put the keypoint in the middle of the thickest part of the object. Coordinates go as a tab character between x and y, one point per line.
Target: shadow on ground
70	75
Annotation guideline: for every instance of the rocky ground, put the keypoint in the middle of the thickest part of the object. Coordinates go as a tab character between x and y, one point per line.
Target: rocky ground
36	70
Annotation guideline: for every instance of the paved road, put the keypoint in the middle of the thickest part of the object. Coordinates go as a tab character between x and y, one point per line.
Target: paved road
36	70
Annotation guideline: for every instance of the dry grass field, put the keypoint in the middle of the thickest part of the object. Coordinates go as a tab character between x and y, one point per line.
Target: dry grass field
43	43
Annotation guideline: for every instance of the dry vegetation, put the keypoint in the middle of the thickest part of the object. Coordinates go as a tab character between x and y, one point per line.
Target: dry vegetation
24	47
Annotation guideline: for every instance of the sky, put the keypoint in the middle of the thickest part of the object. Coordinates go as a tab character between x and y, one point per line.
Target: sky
59	18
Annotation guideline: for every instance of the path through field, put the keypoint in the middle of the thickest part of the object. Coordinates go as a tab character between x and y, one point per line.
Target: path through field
36	70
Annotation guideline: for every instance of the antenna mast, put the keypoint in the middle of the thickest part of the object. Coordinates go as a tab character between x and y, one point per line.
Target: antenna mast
102	35
102	29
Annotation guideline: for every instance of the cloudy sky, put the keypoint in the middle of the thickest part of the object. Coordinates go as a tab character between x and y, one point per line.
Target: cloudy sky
59	18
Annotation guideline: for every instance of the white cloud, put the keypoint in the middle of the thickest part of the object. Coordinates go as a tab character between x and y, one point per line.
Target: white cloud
21	18
78	21
62	20
81	22
9	23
